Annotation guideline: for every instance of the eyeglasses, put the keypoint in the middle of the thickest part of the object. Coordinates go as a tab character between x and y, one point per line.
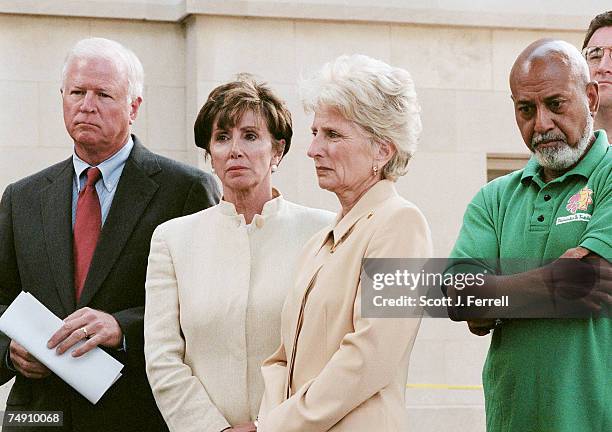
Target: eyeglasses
594	54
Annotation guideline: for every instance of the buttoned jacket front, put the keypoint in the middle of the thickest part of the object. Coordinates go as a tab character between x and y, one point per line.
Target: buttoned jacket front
214	293
336	370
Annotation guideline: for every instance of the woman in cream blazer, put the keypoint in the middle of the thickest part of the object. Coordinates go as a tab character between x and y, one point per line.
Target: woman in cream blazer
217	279
337	370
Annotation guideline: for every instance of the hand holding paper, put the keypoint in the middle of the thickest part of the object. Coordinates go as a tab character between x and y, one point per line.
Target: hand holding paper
26	364
100	329
31	324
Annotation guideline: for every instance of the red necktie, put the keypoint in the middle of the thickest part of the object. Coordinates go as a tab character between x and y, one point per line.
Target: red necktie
86	229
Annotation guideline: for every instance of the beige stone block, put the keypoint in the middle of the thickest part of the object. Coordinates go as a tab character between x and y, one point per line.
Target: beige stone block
19	162
427	362
465	359
439	395
441	185
19	122
508	44
443	329
319	42
159	46
202	91
445	418
264	47
51	117
442	57
180	156
439	118
34	48
486	123
445	371
166	118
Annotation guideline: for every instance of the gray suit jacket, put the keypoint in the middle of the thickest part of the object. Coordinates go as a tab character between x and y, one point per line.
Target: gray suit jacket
36	256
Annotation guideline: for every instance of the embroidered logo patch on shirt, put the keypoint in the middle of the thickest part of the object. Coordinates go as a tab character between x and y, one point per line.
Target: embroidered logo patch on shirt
580	200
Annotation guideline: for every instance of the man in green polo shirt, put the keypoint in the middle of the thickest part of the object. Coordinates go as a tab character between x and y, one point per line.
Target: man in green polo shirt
548	374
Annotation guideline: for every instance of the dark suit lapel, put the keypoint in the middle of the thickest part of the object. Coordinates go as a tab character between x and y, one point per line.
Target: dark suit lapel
56	211
134	191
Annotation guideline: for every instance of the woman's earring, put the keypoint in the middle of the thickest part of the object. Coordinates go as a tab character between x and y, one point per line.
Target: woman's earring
212	169
375	169
274	167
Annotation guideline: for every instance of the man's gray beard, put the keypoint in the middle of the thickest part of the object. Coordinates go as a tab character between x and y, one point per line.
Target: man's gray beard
562	157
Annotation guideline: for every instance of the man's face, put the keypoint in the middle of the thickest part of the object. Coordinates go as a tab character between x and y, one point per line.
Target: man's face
553	112
97	113
601	68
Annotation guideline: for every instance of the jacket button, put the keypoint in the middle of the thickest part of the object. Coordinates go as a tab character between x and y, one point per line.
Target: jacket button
541	218
546	197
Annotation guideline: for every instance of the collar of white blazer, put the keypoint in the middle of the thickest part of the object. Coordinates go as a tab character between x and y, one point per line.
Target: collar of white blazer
365	207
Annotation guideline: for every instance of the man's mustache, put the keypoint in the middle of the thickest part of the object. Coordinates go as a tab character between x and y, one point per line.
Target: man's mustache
538	139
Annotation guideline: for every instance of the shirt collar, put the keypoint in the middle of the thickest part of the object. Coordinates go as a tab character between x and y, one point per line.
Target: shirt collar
365	207
270	208
110	169
584	168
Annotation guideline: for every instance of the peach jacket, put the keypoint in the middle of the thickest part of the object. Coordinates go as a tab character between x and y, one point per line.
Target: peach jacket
336	370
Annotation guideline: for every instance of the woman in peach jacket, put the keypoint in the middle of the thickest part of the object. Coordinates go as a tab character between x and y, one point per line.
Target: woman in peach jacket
335	369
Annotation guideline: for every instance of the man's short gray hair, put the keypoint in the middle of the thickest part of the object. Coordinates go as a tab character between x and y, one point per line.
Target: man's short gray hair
376	96
109	49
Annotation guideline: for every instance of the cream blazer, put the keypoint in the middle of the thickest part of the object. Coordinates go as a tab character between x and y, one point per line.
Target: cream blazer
214	293
336	370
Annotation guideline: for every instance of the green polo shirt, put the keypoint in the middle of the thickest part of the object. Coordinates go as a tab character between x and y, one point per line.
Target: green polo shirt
546	374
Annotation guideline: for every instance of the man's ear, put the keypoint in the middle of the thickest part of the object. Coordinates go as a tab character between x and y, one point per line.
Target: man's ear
134	106
592	92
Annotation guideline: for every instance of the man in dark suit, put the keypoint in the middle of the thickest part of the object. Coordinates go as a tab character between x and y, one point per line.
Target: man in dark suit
76	236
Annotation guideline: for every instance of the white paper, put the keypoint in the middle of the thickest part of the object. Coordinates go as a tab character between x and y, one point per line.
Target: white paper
31	325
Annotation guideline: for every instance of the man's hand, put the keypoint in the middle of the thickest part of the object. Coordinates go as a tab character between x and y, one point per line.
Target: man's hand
245	427
481	327
577	252
25	363
582	283
100	329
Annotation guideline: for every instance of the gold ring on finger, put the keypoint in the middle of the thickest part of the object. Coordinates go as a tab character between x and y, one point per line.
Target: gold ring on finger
85	332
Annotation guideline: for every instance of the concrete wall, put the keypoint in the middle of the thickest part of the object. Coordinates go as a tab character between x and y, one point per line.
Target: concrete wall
459	56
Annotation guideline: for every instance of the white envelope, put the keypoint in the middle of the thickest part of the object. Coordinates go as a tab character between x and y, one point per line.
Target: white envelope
31	325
